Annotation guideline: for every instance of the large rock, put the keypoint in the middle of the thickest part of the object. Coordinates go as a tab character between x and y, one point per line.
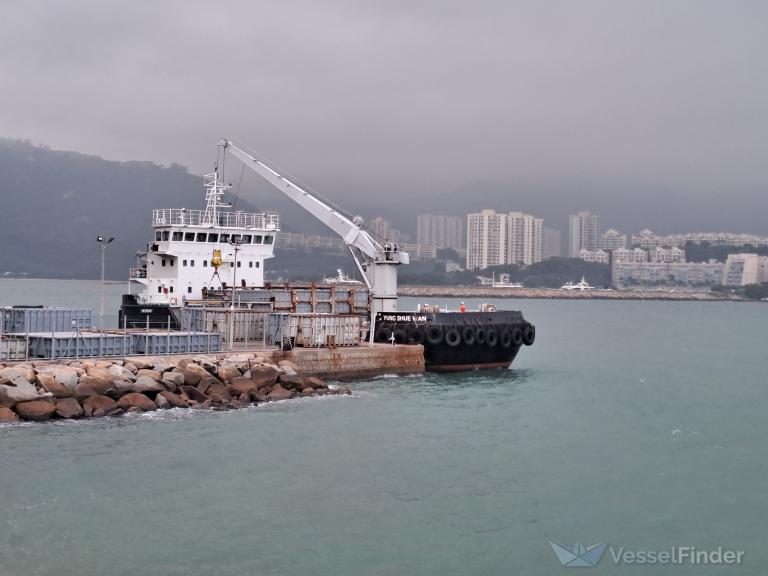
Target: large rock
20	370
142	384
92	386
147	362
264	375
37	410
194	394
99	373
19	390
289	366
161	402
95	406
174	400
173	379
50	384
316	383
65	375
68	408
218	392
292	381
154	374
7	415
280	393
242	385
121	372
228	372
193	373
136	400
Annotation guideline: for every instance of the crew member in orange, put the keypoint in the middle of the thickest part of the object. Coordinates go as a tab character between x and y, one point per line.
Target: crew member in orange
462	308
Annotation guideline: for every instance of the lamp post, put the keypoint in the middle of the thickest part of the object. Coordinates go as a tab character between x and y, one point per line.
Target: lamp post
236	246
103	245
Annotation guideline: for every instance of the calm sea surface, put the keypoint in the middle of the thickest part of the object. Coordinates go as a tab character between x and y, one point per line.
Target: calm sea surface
643	425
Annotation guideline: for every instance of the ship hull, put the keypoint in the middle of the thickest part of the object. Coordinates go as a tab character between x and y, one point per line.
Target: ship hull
135	315
455	342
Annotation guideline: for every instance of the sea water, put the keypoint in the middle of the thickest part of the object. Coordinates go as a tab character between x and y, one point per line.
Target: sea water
640	425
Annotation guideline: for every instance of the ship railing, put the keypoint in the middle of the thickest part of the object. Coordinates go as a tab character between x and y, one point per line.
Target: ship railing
203	219
138	273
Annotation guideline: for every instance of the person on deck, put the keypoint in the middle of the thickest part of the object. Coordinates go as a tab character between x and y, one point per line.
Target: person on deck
462	308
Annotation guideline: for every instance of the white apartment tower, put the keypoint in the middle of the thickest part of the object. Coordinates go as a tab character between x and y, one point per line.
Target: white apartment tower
440	231
486	239
525	239
583	233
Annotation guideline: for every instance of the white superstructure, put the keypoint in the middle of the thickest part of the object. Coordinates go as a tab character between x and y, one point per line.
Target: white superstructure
198	250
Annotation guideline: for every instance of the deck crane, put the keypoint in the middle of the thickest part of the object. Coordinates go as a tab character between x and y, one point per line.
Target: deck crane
376	262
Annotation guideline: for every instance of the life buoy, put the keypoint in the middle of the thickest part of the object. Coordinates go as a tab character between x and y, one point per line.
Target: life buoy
529	334
416	335
400	336
174	301
452	337
492	338
435	335
506	339
480	336
517	336
468	335
383	334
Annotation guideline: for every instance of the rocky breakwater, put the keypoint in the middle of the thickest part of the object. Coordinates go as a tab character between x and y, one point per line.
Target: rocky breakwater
91	388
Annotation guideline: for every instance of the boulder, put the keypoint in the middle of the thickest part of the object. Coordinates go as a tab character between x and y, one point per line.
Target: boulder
95	406
130	366
173	378
136	400
182	363
121	372
154	374
91	386
98	373
50	384
218	392
163	366
18	391
65	375
37	410
228	372
142	384
162	402
194	394
343	390
193	373
68	408
292	381
308	391
7	415
280	393
242	385
174	400
20	370
264	375
315	382
144	363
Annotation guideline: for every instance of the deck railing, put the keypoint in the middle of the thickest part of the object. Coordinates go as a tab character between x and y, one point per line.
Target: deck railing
199	218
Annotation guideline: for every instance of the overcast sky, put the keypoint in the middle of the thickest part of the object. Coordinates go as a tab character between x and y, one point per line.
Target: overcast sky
572	96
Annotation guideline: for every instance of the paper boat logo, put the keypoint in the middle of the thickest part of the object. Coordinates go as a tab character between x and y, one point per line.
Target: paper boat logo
579	556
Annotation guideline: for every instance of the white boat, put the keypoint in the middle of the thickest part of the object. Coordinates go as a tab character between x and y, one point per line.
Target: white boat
341	278
583	285
504	282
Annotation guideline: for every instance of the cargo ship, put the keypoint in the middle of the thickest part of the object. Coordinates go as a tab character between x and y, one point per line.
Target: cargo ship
209	263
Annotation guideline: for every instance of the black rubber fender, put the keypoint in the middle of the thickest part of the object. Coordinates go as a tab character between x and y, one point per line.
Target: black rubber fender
468	335
492	338
517	336
435	335
480	336
452	337
505	339
529	334
400	335
416	335
383	334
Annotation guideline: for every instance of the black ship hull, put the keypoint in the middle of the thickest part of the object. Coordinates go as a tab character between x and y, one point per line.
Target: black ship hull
455	341
135	315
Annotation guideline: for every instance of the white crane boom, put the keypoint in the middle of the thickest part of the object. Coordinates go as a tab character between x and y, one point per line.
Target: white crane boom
380	267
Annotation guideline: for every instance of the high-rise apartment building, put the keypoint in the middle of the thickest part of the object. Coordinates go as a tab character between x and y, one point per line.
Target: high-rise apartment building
440	231
583	233
486	239
495	239
525	239
612	240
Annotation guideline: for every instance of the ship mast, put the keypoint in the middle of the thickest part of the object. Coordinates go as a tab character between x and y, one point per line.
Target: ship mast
214	193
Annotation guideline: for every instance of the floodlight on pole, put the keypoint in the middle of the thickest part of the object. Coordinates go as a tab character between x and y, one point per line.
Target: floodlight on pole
103	242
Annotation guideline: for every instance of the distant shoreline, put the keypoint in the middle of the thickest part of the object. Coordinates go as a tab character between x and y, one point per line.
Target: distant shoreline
555	294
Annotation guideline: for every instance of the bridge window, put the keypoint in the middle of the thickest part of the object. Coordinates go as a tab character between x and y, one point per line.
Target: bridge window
247	238
158	236
257	239
166	235
213	237
177	236
224	238
236	238
201	236
189	236
268	239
